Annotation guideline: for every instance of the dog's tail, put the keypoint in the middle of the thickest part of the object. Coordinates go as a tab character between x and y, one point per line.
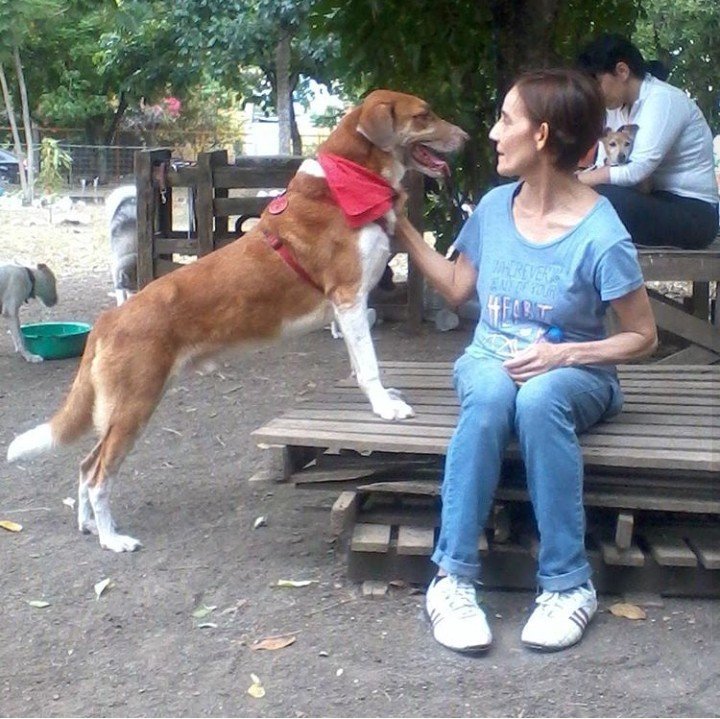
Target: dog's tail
70	422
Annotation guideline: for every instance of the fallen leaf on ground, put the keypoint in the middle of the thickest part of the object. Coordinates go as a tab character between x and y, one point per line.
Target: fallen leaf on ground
256	689
274	643
10	526
627	611
69	502
38	603
207	625
203	611
296	583
101	586
260	522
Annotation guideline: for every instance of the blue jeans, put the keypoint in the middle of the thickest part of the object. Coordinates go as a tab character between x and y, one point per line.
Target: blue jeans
546	414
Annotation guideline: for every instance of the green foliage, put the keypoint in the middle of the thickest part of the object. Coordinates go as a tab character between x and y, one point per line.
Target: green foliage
460	55
54	164
685	36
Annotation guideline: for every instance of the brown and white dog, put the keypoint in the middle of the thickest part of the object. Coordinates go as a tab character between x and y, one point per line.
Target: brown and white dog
302	264
618	144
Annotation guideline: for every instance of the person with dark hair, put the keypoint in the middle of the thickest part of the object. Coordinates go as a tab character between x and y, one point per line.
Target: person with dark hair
546	255
672	151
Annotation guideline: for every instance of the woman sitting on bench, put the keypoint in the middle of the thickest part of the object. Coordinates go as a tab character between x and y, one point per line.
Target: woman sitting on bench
672	152
546	256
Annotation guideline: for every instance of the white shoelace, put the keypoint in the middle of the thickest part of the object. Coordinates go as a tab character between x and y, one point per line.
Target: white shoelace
461	596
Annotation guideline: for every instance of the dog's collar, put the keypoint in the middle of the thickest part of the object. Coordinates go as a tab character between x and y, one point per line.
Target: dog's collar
31	277
287	256
362	195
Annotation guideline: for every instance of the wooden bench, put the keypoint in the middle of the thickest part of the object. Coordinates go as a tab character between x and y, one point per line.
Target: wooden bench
695	324
652	485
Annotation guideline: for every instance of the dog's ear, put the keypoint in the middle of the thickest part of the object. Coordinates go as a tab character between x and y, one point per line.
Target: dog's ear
377	123
607	132
630	129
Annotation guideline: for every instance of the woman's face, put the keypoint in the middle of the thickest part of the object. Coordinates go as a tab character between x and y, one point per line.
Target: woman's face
516	138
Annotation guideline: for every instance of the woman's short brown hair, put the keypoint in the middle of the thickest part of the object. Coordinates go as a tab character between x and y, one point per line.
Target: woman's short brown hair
572	105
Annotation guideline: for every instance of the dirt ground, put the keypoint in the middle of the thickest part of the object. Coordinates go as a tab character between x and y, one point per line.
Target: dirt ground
138	649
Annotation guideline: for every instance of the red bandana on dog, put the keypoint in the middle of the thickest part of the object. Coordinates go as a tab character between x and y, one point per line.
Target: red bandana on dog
362	195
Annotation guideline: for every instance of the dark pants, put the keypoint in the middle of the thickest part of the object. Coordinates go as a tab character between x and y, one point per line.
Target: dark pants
662	218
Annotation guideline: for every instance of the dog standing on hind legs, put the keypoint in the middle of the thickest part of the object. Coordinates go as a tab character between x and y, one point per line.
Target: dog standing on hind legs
316	253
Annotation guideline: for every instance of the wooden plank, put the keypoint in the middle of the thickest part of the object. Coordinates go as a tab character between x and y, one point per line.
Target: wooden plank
417	541
691	355
147	209
205	197
624	530
370	538
684	325
706	545
343	512
244	206
668	549
632	556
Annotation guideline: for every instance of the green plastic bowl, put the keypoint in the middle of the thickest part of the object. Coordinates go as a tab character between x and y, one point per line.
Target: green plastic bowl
56	340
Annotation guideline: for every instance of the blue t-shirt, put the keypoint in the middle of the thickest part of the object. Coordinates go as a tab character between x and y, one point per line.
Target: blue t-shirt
525	288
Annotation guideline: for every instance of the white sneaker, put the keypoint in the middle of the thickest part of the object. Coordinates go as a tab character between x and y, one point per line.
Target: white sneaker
560	618
457	620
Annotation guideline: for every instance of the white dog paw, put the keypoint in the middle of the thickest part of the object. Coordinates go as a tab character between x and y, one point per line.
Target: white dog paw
393	408
119	543
33	358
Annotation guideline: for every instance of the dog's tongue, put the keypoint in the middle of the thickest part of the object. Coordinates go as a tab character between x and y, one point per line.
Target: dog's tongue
425	157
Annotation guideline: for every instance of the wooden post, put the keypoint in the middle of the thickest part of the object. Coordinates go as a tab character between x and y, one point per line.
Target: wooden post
147	211
206	163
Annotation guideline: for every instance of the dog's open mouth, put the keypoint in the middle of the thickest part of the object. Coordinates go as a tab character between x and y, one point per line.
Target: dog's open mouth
427	159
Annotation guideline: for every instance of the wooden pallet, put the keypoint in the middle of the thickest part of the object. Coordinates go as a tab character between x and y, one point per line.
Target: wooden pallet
660	555
661	455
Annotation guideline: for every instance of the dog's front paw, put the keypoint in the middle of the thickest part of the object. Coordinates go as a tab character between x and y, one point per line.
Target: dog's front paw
119	543
29	357
391	407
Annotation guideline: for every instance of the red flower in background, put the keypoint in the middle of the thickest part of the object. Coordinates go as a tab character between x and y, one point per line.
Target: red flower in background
172	106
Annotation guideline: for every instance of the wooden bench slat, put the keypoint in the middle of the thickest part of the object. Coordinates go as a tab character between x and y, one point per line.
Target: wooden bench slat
411	429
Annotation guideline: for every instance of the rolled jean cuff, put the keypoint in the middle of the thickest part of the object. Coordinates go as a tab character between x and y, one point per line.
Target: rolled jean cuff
452	566
561	582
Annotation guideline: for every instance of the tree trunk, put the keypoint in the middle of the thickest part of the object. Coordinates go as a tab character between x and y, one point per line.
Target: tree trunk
122	106
7	97
297	148
522	29
284	99
30	187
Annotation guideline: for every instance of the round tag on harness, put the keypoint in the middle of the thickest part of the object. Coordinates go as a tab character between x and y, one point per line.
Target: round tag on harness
278	204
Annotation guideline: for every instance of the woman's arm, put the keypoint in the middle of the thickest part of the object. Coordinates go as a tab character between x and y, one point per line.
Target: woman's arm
596	176
637	338
455	281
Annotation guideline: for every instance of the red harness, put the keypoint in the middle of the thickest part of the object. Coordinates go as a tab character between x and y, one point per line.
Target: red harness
287	256
363	196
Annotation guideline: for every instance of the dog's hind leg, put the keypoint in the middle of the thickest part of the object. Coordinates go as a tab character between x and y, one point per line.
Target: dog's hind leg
97	471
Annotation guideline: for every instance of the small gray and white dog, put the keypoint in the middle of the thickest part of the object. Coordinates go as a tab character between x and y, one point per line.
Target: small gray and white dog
19	284
121	209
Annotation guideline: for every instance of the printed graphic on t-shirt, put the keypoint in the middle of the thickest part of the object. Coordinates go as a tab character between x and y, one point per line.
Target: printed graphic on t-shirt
520	297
